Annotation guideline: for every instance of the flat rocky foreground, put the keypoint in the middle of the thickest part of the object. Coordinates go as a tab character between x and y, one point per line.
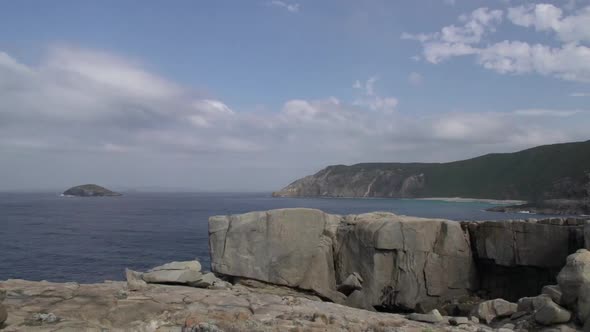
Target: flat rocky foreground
111	306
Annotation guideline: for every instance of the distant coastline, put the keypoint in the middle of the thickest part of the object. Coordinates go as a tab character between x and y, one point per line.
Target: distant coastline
474	200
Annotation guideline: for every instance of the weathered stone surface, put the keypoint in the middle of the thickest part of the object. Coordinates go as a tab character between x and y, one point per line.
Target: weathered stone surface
455	321
285	247
554	292
187	272
134	280
489	310
405	261
574	282
432	317
170	308
350	284
532	304
552	313
172	276
186	265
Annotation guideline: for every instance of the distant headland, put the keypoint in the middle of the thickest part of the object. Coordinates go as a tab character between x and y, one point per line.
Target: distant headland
541	176
90	190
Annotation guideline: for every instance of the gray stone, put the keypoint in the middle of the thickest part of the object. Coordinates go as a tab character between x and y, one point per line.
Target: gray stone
554	292
2	294
574	282
134	280
186	265
206	280
455	321
489	310
552	313
350	284
432	317
45	318
187	273
532	304
172	277
508	326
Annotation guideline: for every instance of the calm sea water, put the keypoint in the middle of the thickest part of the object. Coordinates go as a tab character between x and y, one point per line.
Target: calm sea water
47	237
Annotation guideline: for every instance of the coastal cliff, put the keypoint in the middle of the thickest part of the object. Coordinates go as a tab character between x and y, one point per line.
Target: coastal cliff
558	171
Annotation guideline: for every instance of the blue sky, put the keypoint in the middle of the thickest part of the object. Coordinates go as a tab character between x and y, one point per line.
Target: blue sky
253	94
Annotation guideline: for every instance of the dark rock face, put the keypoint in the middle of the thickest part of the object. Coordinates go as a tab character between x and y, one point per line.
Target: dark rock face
89	190
517	258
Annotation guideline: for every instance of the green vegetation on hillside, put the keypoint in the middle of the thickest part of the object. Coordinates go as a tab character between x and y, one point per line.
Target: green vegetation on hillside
558	170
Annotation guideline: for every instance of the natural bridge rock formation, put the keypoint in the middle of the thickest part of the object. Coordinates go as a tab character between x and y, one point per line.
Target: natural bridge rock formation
393	263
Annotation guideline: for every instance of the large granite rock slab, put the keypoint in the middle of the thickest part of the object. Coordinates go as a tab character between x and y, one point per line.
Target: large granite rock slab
290	247
404	262
407	263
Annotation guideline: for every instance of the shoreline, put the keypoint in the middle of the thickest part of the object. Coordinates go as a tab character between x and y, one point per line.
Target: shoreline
474	200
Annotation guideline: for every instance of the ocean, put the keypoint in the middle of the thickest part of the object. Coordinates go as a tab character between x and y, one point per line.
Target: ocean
47	237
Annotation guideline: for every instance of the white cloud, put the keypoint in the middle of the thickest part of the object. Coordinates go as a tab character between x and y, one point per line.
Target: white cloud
371	99
568	61
291	7
580	94
548	112
547	17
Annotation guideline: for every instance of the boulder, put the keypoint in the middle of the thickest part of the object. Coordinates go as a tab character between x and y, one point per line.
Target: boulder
574	282
432	317
134	280
498	308
456	321
186	273
350	284
554	292
552	313
532	304
186	265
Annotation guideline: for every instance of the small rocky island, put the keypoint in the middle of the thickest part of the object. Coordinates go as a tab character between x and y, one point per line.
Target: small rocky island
90	190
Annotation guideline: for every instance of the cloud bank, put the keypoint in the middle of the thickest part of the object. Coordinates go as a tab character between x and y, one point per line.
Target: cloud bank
81	112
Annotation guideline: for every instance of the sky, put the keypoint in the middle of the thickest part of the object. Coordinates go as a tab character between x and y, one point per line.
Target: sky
250	95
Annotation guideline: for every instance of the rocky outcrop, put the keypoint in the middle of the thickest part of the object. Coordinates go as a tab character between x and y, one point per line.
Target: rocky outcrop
175	273
89	190
516	258
381	261
111	306
405	263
